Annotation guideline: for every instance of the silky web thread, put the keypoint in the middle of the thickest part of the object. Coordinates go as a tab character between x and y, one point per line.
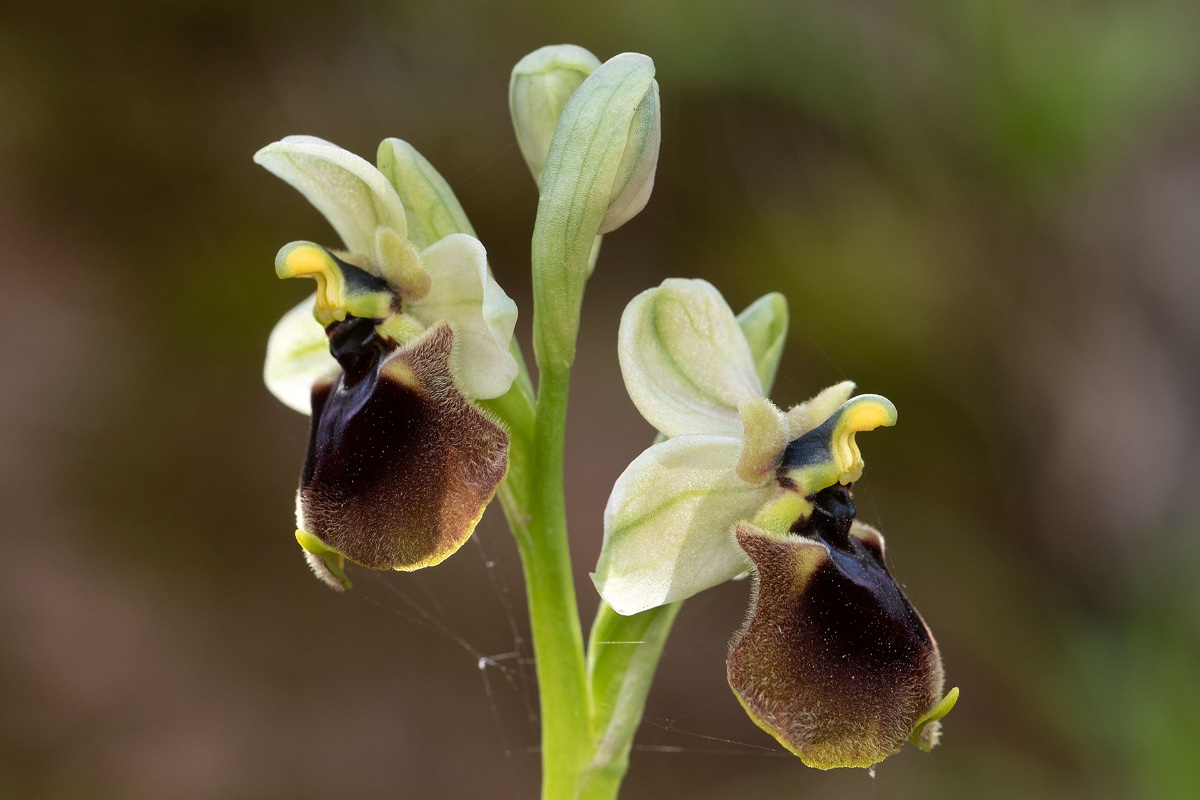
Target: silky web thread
516	666
434	619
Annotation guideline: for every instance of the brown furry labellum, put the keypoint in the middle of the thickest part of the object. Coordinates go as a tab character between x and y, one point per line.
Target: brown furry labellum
400	464
833	661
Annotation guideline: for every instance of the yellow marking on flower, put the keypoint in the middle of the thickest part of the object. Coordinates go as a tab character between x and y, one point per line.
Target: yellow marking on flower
336	296
401	328
403	374
829	454
303	259
863	413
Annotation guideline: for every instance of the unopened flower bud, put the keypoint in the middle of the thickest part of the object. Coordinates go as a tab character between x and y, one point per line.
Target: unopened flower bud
598	174
634	178
541	84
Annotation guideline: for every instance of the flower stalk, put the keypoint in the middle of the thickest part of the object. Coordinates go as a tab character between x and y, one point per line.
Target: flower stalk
592	146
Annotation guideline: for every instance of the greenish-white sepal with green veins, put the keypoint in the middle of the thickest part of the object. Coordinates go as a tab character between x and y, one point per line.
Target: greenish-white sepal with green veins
348	190
432	209
686	363
463	293
765	325
667	522
297	357
541	84
605	146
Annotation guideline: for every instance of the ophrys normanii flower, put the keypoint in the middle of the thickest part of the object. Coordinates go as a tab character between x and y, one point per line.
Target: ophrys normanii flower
833	662
400	336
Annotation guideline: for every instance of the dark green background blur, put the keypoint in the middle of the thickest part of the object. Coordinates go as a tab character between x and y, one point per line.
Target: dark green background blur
987	211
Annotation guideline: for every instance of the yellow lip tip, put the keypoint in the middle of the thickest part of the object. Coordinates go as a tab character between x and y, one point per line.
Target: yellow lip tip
302	258
869	411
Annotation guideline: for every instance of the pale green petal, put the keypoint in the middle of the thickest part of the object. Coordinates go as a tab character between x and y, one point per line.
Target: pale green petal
685	360
464	293
354	196
804	417
667	523
430	205
765	323
297	357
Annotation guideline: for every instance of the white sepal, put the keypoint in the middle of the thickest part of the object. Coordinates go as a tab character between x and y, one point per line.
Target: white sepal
667	523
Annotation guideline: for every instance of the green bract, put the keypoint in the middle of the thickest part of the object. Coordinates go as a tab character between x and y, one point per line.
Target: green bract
406	328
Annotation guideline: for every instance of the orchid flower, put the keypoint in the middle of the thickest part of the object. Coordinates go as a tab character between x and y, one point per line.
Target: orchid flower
833	661
407	327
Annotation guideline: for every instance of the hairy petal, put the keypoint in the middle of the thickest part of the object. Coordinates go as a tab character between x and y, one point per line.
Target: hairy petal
764	438
685	360
667	523
804	417
352	194
463	293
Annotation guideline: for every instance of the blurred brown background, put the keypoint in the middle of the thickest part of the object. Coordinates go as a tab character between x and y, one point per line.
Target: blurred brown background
988	211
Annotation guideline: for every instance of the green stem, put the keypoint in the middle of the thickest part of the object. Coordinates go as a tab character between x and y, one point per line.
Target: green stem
590	712
553	613
576	186
532	499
